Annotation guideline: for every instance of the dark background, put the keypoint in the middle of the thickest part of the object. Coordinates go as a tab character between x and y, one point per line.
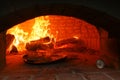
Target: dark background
111	7
13	12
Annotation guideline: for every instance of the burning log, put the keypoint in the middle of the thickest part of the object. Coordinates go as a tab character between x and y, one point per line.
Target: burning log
38	57
69	49
34	47
43	50
71	41
41	44
9	39
14	49
42	40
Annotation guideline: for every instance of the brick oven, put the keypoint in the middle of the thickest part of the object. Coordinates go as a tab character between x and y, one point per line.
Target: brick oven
53	35
88	34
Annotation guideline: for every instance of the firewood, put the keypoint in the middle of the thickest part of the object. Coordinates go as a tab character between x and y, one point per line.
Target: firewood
41	40
14	49
69	49
77	42
42	44
38	46
35	58
9	39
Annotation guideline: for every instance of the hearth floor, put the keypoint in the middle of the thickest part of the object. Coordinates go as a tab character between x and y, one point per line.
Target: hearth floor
16	69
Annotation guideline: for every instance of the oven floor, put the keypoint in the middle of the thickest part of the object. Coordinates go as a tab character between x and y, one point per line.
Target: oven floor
16	69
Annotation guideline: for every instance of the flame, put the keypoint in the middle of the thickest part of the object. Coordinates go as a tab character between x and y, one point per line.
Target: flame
39	30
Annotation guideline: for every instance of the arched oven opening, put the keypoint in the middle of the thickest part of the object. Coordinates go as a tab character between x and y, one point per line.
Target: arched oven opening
54	38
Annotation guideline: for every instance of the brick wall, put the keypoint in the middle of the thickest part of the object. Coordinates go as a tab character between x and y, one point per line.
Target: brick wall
63	27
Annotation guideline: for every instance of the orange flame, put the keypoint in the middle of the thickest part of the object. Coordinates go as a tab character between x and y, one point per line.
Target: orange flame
39	30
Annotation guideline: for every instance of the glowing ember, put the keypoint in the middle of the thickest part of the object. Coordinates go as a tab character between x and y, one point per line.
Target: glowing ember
38	30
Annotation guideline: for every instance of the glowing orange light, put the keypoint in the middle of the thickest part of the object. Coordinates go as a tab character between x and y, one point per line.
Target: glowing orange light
38	30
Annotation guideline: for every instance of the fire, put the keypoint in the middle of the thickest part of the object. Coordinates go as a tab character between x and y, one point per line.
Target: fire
38	30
